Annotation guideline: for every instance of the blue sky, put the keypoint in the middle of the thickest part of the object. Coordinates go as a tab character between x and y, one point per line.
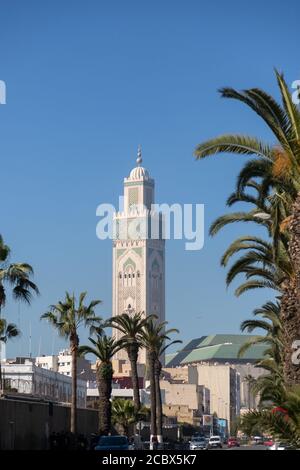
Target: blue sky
87	81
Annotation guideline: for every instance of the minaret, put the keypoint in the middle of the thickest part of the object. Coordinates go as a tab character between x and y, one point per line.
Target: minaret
138	259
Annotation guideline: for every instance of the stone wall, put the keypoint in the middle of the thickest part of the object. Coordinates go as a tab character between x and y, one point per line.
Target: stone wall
28	425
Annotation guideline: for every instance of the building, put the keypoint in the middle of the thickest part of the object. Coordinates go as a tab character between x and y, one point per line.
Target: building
62	363
223	381
224	350
138	258
220	387
25	377
185	401
117	392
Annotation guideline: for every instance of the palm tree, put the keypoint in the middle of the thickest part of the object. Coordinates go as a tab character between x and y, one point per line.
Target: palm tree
131	327
7	331
163	343
270	384
152	338
278	169
67	317
258	264
125	414
281	419
103	348
17	276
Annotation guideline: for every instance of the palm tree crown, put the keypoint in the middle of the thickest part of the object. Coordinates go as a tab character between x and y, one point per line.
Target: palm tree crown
16	275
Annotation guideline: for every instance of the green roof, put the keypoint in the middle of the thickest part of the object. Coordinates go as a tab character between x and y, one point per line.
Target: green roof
216	348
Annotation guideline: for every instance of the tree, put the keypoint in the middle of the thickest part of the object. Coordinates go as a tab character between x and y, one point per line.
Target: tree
269	386
277	168
125	414
67	317
281	420
103	348
15	275
131	327
270	323
152	338
163	343
7	331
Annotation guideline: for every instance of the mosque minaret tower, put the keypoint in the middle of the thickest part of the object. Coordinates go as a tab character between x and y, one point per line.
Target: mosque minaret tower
138	257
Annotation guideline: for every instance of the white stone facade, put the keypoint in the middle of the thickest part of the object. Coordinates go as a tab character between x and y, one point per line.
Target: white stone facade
62	363
33	380
138	257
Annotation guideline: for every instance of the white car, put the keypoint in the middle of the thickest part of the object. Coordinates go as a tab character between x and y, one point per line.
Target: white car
214	441
198	443
278	446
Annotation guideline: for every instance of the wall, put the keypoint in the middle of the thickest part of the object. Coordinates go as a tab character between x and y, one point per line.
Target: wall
221	381
248	399
27	425
30	379
182	394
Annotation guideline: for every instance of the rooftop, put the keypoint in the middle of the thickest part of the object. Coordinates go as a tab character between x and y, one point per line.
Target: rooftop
216	348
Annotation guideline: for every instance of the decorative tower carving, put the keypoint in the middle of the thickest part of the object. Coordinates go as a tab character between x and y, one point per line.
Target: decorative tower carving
138	258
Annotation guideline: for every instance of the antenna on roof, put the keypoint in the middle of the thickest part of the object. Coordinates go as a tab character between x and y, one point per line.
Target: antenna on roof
40	345
53	341
30	345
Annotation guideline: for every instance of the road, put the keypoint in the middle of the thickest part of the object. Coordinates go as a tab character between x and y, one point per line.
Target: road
244	448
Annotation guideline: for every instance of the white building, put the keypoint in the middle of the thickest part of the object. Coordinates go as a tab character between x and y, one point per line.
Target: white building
222	383
117	392
138	258
34	380
62	363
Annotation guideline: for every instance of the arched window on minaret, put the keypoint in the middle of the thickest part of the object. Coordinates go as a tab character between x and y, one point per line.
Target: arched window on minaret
129	276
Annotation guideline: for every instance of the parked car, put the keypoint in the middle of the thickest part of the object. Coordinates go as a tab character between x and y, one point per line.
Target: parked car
214	442
146	445
268	443
233	442
112	443
258	440
198	443
278	446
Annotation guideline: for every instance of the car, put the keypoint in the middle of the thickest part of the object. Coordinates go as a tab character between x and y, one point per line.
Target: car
112	443
233	442
214	441
146	445
278	446
258	440
198	443
268	443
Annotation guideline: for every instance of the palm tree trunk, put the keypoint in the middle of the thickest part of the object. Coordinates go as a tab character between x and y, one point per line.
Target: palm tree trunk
104	379
159	413
1	385
1	300
132	352
290	303
153	424
74	352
